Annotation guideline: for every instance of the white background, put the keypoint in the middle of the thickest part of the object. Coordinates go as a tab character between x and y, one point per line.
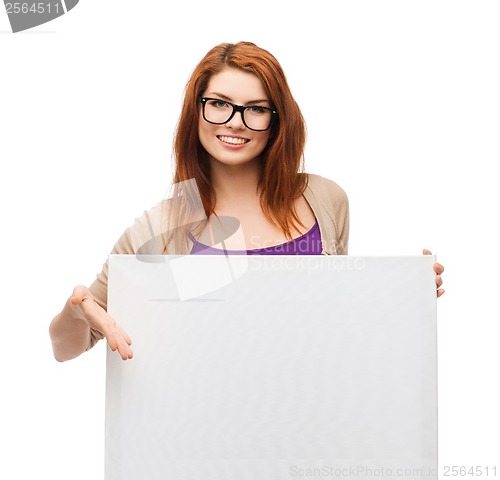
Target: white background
402	105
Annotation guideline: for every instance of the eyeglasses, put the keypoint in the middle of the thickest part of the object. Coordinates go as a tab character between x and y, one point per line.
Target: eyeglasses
254	117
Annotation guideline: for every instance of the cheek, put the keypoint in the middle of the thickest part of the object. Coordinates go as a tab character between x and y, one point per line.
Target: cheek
263	140
203	133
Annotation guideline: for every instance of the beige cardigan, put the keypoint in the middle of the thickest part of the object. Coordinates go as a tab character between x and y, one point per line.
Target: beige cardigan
327	200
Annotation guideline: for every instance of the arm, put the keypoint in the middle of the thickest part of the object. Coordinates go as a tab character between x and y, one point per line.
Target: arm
84	319
73	329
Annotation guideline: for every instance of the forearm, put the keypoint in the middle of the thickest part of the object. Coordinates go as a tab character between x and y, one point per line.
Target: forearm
69	332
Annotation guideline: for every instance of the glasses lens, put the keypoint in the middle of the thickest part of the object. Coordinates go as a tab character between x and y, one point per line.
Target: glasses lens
258	118
219	111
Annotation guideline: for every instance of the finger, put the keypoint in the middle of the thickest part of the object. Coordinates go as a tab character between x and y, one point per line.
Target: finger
125	335
79	293
438	268
111	338
426	252
123	346
439	281
124	350
119	334
113	344
117	338
440	292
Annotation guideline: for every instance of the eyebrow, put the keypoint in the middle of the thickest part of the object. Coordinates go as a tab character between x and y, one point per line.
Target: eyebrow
229	99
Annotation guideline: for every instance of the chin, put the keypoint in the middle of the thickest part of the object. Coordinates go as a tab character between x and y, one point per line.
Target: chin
234	162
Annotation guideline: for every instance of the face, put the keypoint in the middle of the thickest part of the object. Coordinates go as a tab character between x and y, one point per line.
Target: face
233	143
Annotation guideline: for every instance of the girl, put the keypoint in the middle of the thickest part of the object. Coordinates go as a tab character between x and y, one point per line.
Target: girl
241	137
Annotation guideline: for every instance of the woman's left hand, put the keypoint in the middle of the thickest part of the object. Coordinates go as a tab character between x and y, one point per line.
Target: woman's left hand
439	269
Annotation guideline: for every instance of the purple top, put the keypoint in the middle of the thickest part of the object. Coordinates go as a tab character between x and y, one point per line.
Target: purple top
307	244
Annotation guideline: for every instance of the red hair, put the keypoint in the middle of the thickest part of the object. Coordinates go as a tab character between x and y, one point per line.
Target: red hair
280	180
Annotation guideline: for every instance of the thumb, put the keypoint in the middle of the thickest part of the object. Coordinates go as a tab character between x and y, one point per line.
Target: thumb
80	292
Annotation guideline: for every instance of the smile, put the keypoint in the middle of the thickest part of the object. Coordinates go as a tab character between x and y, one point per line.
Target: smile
232	140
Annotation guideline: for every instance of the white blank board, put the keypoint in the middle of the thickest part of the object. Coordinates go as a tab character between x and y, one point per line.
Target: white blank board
273	367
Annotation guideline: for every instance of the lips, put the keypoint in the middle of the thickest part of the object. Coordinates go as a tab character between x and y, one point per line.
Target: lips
233	140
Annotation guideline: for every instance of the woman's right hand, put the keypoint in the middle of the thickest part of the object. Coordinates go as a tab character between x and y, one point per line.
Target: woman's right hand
98	319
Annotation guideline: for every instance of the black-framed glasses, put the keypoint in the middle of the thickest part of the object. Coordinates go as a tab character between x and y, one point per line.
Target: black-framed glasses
219	112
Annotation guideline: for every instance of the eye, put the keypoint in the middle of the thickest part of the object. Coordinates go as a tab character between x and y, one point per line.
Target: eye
257	110
218	103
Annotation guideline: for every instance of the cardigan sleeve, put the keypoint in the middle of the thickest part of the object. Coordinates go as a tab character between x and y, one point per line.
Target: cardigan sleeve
330	205
340	207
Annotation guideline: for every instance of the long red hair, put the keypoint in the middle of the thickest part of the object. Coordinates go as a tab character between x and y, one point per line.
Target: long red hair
280	180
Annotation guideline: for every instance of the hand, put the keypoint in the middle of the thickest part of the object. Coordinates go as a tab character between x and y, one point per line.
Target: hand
99	319
439	269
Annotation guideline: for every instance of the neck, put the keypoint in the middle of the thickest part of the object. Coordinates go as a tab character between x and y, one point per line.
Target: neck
235	183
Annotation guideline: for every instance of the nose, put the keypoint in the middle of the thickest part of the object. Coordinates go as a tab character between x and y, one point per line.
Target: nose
237	121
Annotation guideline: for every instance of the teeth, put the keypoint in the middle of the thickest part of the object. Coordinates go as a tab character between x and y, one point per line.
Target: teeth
232	140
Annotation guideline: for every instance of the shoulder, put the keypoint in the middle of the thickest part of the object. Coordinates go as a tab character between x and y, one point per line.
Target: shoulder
324	189
165	228
331	207
144	233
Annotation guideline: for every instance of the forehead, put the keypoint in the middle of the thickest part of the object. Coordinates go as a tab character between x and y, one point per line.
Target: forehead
237	85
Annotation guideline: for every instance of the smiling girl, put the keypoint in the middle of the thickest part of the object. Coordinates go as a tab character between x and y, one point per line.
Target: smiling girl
241	137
